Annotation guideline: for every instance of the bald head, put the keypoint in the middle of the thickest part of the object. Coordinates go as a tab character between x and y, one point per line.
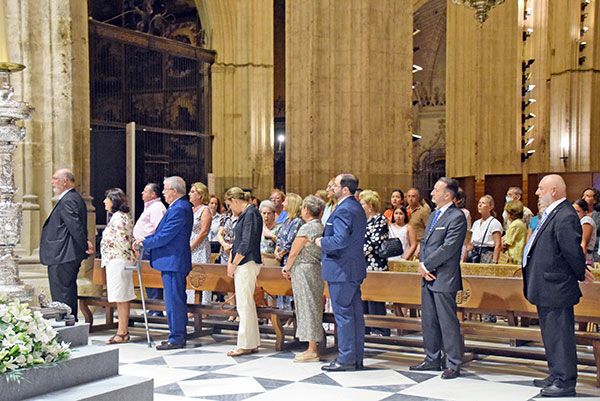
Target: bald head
551	188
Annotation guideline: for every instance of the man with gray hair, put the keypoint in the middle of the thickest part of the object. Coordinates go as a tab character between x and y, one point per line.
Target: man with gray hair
64	243
516	194
170	253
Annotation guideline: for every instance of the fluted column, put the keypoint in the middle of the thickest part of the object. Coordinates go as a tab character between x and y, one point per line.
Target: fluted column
51	39
348	93
241	32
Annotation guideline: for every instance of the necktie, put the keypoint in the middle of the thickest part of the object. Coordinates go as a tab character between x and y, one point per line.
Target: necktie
436	217
532	238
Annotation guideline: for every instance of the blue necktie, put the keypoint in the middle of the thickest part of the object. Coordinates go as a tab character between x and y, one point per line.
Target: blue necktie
436	217
532	238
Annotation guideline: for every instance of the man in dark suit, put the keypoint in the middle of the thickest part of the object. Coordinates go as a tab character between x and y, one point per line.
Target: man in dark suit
170	253
440	268
64	243
553	263
344	269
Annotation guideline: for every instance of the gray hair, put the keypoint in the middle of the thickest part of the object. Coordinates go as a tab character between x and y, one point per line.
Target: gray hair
266	204
177	183
314	205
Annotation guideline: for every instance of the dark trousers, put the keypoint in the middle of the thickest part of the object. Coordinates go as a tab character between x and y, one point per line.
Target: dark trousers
63	283
441	329
348	312
376	308
176	305
558	333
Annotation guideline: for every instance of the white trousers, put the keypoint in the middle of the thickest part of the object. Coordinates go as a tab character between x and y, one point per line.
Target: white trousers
245	282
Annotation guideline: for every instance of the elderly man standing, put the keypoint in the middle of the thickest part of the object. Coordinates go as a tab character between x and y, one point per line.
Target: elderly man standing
553	263
516	194
154	210
170	253
64	243
344	269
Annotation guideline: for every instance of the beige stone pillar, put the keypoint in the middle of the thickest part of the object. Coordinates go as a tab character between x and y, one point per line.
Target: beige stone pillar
50	38
241	32
348	93
574	88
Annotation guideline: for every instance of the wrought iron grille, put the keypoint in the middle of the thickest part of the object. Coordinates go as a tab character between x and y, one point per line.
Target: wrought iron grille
161	85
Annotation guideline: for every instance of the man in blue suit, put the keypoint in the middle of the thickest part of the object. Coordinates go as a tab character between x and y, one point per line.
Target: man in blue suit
344	269
170	253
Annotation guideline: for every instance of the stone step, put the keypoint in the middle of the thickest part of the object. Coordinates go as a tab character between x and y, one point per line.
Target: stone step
130	388
77	335
86	364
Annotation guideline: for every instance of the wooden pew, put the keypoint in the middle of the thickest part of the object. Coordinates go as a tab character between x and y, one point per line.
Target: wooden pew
496	291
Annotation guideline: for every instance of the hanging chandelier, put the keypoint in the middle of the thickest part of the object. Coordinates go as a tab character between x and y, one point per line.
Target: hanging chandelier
481	7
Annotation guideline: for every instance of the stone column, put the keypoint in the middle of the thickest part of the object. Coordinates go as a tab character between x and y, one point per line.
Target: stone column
241	32
348	93
51	39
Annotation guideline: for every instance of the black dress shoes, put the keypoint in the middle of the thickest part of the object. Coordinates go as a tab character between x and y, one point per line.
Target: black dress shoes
541	383
167	346
554	391
335	366
450	374
426	366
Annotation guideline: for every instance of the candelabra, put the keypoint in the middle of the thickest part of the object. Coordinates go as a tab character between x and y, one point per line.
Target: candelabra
11	215
481	7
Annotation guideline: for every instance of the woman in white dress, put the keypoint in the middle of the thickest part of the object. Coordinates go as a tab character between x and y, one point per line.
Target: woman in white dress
399	228
117	252
588	229
199	243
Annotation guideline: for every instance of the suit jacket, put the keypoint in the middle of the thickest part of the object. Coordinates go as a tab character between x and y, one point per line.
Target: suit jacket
441	249
342	243
169	246
64	234
555	262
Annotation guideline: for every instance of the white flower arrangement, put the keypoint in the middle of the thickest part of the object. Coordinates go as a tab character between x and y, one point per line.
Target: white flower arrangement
26	338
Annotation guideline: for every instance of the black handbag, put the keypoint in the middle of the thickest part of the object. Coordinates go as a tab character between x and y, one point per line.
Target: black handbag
390	247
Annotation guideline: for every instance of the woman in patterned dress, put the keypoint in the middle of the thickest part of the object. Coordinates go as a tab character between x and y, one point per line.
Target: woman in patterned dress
377	232
199	243
304	268
287	233
117	252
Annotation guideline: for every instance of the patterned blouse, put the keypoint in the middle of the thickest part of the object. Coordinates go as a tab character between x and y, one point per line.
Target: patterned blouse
227	221
377	232
117	239
287	234
267	245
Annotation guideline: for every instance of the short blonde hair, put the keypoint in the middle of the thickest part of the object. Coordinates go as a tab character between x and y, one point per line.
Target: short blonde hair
489	199
294	205
372	199
202	190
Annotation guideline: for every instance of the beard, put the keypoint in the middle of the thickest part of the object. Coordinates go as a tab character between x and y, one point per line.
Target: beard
545	200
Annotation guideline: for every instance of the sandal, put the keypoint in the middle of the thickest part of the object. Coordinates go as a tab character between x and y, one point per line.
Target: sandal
242	351
118	339
307	356
231	319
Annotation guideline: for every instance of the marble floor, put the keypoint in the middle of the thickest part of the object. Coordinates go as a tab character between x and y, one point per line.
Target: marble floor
203	371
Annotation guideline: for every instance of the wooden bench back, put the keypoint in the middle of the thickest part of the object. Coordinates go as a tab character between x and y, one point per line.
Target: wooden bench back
480	293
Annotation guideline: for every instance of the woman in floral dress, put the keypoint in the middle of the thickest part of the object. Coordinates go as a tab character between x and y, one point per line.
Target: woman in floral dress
377	232
199	243
117	252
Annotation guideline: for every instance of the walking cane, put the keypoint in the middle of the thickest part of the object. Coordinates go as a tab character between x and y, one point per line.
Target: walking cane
139	272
